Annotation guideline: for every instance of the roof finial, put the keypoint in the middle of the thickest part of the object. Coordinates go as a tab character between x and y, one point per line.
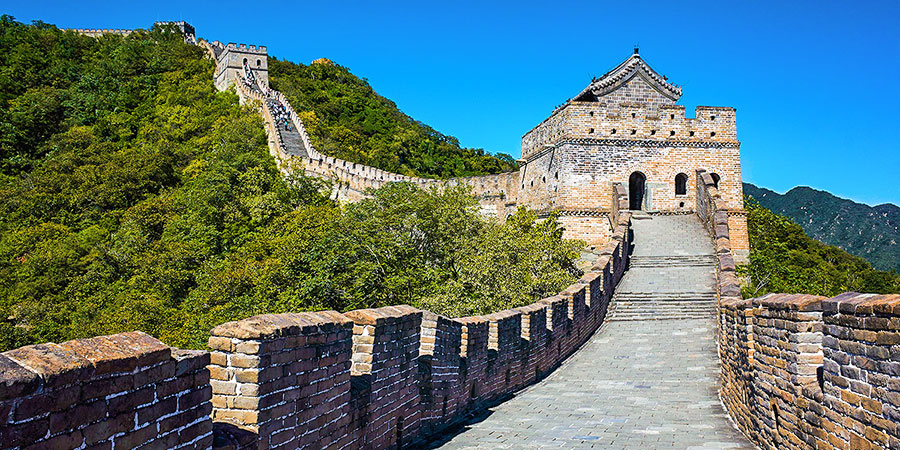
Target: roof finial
635	49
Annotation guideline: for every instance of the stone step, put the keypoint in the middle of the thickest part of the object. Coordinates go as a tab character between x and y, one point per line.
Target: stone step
654	312
663	266
643	317
703	256
664	295
663	313
676	261
709	299
650	305
672	305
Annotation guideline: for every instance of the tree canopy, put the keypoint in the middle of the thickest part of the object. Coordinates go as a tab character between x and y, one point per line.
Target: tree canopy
134	196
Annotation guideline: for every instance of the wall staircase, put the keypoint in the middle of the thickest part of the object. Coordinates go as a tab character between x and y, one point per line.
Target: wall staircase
671	274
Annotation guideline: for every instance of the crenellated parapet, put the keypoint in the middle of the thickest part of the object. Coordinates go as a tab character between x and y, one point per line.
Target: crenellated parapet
122	391
393	376
801	371
665	126
97	32
808	372
185	28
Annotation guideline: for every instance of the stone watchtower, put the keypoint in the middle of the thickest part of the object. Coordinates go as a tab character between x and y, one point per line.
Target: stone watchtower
230	60
626	128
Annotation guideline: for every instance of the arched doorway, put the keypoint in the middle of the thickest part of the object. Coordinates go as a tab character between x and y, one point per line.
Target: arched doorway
636	191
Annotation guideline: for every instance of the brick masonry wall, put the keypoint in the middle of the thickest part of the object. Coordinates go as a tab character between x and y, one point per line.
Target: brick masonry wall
728	227
385	352
473	361
121	391
439	370
823	373
284	378
587	167
800	371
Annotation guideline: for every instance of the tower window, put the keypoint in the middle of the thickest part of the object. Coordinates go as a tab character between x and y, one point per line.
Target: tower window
652	132
671	133
591	131
613	131
633	115
692	133
712	117
712	133
592	114
681	184
672	116
633	131
258	63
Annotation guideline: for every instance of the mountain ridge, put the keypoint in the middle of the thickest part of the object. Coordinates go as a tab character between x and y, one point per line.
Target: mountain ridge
870	232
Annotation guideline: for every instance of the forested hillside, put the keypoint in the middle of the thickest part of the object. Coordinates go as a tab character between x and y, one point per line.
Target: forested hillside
784	259
347	119
862	230
133	196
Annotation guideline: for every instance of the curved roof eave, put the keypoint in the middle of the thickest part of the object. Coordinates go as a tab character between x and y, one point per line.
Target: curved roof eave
626	71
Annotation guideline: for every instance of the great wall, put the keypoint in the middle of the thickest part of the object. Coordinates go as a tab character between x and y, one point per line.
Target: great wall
796	371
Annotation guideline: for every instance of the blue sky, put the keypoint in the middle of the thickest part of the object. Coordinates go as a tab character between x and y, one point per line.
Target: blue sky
816	84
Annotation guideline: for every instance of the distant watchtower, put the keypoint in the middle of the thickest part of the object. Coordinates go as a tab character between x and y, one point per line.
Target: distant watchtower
186	29
233	59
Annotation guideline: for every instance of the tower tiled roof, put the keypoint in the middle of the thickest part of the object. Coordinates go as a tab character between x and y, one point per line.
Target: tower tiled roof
630	68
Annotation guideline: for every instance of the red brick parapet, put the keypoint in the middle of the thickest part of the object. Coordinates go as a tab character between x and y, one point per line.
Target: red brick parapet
124	390
393	376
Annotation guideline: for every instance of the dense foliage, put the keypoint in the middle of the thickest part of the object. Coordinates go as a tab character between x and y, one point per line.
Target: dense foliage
133	196
872	232
784	259
347	119
429	249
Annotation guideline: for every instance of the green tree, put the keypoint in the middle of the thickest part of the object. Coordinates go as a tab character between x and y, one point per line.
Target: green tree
133	195
784	259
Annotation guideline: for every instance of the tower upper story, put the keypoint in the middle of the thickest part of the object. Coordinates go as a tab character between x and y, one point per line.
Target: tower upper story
631	102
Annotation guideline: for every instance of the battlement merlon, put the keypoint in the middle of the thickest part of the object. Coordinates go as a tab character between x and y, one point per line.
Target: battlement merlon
633	121
244	48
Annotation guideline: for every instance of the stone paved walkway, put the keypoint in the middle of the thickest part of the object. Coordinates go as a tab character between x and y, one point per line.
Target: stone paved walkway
639	384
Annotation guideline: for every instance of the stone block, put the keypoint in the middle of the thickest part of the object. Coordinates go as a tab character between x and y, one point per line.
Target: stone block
15	380
57	366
